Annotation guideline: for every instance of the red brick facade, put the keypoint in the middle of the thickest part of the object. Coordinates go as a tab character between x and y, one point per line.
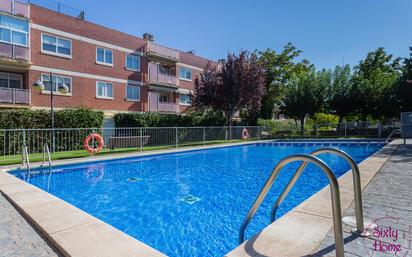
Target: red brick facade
84	72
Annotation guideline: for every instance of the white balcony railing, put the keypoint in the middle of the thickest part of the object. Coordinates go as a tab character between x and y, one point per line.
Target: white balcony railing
157	77
156	106
15	7
152	48
14	52
14	96
168	107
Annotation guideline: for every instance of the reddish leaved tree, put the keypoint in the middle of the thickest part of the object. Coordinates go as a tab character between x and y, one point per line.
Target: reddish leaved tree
235	84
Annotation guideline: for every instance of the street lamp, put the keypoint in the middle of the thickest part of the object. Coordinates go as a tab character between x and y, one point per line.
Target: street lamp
61	88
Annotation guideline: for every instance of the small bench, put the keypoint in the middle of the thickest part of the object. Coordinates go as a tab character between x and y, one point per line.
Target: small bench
128	141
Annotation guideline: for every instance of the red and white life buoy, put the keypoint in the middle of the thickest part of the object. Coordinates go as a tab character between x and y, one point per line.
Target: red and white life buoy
98	138
245	134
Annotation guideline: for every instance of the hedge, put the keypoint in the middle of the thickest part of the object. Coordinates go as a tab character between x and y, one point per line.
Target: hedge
70	118
208	118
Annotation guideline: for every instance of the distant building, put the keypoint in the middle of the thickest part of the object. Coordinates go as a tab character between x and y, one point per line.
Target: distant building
104	69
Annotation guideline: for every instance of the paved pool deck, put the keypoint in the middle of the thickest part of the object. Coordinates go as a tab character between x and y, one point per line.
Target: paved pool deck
387	202
18	237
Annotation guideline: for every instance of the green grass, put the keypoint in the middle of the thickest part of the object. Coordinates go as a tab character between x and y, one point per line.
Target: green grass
38	157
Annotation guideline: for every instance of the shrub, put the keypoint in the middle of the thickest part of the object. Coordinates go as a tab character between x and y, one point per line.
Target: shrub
277	125
207	118
71	118
320	118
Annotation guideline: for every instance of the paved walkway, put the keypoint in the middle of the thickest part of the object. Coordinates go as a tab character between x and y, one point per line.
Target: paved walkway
387	202
17	237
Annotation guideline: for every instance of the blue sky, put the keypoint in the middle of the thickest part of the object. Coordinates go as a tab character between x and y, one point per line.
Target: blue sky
329	32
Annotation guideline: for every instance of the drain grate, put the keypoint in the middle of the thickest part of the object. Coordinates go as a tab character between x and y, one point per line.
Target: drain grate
134	179
190	199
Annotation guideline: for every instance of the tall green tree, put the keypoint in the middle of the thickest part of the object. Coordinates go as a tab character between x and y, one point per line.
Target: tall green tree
404	90
305	94
374	83
279	68
341	92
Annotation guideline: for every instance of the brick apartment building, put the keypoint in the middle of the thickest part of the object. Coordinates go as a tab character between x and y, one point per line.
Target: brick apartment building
103	68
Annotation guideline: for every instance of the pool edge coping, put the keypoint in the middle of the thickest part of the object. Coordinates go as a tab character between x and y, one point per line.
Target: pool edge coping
15	189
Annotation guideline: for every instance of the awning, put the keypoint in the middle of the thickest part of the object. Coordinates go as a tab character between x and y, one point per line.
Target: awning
184	91
164	89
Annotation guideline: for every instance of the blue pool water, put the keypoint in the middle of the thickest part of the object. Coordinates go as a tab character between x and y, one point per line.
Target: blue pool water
192	203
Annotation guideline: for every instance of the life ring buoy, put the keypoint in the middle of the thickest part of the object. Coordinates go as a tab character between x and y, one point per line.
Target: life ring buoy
93	136
245	134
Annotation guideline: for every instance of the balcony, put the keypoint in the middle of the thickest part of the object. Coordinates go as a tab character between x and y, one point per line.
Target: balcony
168	107
164	107
14	96
14	57
14	52
15	7
157	77
162	53
155	105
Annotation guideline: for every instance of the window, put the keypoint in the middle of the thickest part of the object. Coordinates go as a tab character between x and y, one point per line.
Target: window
133	62
163	97
185	73
13	30
185	99
10	80
104	90
104	56
56	45
132	93
57	81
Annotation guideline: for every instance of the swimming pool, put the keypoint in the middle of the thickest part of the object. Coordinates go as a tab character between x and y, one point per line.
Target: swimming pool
190	203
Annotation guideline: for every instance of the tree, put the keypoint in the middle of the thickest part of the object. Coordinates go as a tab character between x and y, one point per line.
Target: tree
305	94
341	93
374	83
404	90
279	68
237	83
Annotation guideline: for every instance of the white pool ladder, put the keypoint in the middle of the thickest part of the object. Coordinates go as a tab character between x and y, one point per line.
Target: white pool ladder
391	135
334	186
25	157
46	151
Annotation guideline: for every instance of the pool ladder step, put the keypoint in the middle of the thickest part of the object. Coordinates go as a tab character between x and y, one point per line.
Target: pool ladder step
46	151
334	186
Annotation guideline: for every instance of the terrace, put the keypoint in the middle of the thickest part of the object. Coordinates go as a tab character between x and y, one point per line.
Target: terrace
15	96
15	7
158	52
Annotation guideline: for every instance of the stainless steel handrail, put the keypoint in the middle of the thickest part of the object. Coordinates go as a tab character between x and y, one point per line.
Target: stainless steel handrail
391	134
356	185
334	186
46	150
26	157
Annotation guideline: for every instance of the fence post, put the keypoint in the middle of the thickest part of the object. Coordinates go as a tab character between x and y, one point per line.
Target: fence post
141	139
225	133
204	136
177	138
316	130
24	137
